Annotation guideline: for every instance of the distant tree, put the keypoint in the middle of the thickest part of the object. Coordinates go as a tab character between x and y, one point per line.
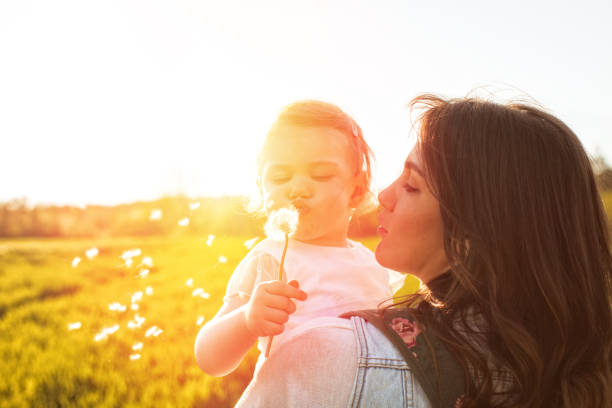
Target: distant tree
603	172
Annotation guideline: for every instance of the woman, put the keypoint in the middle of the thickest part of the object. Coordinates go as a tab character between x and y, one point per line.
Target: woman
497	213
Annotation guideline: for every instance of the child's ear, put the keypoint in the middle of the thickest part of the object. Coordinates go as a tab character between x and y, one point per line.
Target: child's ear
356	196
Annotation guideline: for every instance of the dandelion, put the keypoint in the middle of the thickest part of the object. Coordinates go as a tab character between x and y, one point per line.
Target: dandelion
210	240
200	292
136	323
76	261
194	206
134	357
200	320
92	253
149	290
250	242
134	306
143	273
153	331
222	259
137	296
155	215
189	282
281	223
147	261
137	346
183	222
116	306
74	326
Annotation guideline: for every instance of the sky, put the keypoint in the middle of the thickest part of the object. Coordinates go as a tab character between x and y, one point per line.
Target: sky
105	102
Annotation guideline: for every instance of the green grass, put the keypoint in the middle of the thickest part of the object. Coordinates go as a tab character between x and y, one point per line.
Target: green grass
46	365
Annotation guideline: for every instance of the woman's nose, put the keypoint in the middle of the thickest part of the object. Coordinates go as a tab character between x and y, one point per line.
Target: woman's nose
386	198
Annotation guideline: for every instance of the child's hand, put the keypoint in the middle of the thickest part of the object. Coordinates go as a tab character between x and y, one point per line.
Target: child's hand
270	306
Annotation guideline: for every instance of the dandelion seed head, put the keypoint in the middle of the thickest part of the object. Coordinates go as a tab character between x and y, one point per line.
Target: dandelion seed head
155	215
76	261
250	242
74	326
210	240
189	282
200	320
134	357
92	253
183	222
281	222
194	206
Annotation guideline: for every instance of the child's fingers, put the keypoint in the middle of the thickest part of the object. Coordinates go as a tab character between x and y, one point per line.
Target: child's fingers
275	316
280	302
294	283
271	329
283	289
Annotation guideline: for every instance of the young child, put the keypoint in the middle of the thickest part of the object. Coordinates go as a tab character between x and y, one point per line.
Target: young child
316	160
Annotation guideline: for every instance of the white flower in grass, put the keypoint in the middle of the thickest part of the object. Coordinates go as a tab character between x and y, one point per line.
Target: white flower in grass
147	261
194	206
200	320
137	296
136	323
137	346
222	259
76	261
183	222
118	307
131	253
134	357
189	282
210	240
149	290
107	331
153	331
143	273
200	292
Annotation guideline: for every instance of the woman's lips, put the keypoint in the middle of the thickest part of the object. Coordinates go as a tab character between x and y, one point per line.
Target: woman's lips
381	231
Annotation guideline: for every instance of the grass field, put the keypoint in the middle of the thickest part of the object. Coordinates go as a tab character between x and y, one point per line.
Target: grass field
44	364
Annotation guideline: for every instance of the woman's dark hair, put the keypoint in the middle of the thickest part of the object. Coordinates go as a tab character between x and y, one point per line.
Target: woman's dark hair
529	289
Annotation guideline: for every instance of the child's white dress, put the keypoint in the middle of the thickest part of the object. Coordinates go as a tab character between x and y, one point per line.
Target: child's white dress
337	280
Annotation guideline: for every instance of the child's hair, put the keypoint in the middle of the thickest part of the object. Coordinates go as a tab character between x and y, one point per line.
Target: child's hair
313	113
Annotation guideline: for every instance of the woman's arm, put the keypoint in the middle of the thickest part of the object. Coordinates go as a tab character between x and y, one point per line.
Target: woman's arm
224	341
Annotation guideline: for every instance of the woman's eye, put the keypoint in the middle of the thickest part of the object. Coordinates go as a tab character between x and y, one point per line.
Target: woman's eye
409	188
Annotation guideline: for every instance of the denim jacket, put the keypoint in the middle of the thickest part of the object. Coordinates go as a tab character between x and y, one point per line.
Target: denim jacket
351	364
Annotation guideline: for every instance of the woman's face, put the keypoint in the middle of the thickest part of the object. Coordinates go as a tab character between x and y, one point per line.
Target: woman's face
411	225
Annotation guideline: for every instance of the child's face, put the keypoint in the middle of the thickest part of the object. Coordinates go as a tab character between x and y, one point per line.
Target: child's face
313	170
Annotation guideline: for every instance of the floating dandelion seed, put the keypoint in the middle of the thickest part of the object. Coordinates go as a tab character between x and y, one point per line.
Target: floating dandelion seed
137	296
92	253
200	292
136	323
282	222
147	261
200	320
143	273
137	346
107	331
183	222
116	306
131	253
134	306
250	242
210	240
222	259
134	357
76	261
74	326
155	215
189	282
153	331
194	206
149	290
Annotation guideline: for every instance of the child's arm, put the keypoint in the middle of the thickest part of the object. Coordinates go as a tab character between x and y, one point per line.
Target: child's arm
224	341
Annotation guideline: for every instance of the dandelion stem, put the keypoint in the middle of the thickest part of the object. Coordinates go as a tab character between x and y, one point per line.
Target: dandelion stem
280	278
